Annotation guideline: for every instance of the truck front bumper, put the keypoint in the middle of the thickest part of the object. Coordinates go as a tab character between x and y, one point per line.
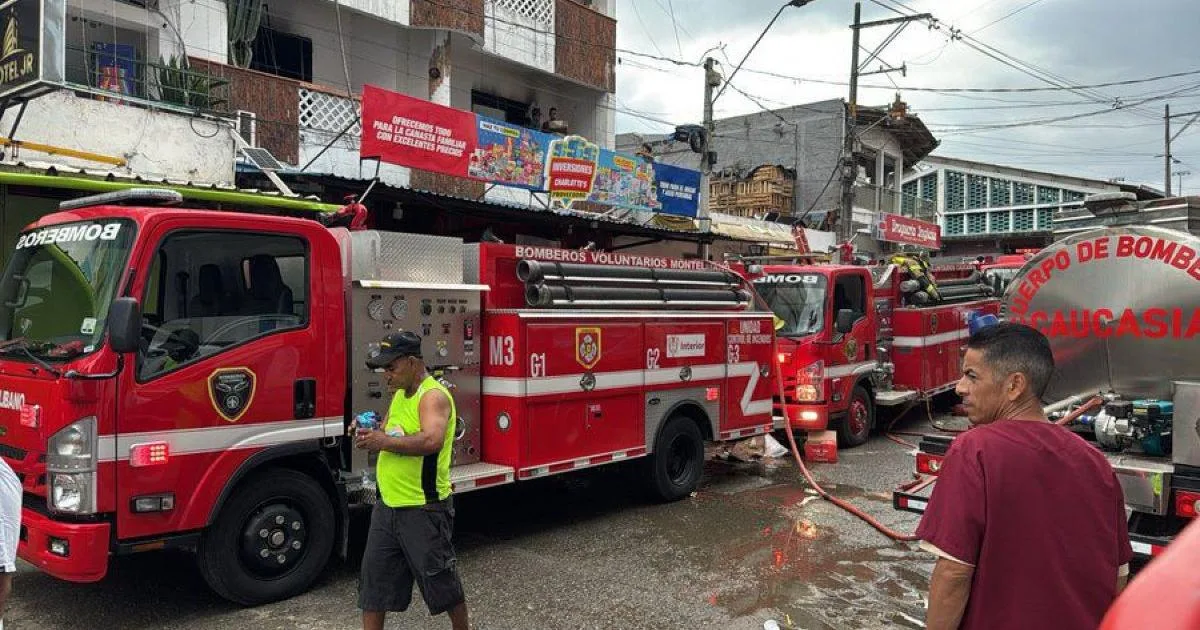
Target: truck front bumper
76	552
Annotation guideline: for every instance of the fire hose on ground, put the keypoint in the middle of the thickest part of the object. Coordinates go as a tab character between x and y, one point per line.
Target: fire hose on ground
845	505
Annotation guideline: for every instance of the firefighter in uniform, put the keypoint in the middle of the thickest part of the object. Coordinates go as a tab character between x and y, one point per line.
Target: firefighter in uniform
411	525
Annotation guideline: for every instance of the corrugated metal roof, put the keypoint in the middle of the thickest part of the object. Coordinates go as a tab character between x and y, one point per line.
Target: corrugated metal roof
36	167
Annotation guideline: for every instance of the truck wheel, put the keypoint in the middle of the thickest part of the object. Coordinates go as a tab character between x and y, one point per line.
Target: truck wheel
855	428
675	467
271	540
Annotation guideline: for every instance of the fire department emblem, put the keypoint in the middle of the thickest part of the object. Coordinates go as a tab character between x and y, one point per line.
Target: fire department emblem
851	349
231	391
587	347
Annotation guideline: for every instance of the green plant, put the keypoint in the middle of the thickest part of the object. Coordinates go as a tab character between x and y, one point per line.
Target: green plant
180	85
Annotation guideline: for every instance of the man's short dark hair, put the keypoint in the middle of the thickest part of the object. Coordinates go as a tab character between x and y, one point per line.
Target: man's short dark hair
1009	348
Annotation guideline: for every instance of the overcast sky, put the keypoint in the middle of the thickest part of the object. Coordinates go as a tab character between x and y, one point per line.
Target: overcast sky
1082	42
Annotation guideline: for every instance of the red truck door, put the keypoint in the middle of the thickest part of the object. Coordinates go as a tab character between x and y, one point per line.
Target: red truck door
229	364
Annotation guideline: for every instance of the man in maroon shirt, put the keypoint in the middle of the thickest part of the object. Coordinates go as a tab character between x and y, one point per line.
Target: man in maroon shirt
1027	519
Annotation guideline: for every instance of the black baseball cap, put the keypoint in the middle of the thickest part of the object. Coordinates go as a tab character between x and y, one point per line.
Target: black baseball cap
396	345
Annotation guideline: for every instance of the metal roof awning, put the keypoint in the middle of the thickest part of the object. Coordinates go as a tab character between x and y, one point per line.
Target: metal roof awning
57	176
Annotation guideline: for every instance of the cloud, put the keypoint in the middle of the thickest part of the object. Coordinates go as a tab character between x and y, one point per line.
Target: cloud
1079	41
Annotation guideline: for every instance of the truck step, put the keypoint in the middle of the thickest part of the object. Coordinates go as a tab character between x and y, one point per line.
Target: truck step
480	475
894	397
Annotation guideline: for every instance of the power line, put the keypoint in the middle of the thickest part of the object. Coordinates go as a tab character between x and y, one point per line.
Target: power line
1005	17
978	90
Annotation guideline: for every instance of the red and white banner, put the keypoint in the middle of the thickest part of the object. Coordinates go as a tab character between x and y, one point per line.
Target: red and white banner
897	229
408	131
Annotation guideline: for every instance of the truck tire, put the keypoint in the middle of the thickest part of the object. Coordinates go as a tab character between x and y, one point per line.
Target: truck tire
855	428
271	540
674	469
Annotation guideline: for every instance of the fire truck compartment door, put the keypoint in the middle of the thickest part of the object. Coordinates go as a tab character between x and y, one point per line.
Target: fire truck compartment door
584	391
750	388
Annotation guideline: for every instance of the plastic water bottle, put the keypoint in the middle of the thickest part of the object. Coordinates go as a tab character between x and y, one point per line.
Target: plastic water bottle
368	420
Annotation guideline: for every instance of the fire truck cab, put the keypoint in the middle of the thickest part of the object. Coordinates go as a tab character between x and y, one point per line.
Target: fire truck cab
855	338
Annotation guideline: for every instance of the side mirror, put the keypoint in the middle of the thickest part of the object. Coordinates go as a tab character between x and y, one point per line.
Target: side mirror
124	324
845	321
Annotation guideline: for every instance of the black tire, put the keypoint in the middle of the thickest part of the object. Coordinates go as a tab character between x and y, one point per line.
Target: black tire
674	470
856	427
291	508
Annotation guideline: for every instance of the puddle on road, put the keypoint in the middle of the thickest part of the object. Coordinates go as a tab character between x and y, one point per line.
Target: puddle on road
796	565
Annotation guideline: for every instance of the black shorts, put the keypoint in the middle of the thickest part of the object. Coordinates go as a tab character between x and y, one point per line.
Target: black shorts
406	545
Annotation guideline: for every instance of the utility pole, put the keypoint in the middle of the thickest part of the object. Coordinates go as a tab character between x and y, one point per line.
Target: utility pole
1169	159
1167	148
845	223
711	80
1181	175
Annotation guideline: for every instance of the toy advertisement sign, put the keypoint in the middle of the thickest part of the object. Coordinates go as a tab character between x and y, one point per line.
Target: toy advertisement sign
407	131
510	155
571	169
625	181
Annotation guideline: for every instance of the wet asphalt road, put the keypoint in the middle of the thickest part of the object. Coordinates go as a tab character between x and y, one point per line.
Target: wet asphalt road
586	552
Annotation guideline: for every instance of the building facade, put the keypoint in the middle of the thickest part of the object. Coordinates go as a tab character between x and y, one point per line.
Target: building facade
808	140
160	88
988	209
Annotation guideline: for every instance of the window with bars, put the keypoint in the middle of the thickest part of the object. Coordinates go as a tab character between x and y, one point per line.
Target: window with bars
956	184
977	223
906	201
1000	221
929	187
1022	220
1001	193
977	191
1046	194
954	224
1045	218
1023	194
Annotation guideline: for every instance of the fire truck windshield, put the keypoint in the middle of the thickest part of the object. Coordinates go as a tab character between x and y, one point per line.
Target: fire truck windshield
56	290
797	299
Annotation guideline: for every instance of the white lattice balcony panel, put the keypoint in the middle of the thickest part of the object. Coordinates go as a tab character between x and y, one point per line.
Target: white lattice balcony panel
326	112
540	11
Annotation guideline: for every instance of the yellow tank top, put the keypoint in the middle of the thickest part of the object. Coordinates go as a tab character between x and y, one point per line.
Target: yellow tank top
412	480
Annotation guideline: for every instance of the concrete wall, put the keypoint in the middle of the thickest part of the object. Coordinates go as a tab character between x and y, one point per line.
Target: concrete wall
395	11
519	38
156	144
579	106
203	26
377	52
810	142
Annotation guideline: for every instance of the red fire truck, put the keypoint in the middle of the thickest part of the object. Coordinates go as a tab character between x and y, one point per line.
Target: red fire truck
184	378
855	338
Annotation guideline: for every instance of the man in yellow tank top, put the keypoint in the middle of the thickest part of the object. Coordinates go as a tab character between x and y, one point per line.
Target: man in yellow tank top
411	525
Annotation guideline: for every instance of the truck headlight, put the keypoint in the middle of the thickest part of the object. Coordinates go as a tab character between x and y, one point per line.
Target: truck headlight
71	442
71	467
72	493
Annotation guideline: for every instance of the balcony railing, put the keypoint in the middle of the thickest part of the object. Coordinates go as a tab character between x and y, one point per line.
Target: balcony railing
272	100
465	16
132	80
585	45
878	199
